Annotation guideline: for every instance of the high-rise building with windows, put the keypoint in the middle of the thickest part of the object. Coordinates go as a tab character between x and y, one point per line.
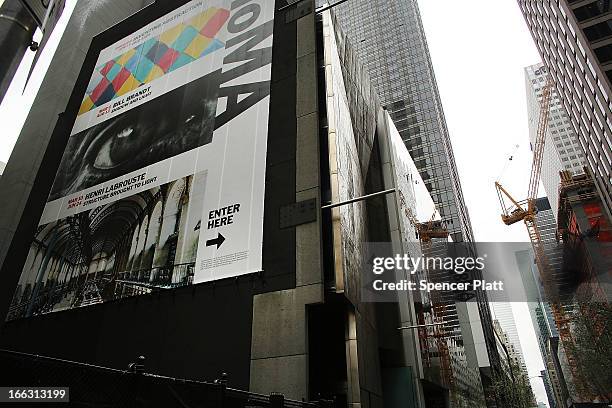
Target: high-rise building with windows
561	148
502	313
573	37
547	225
544	327
513	356
390	39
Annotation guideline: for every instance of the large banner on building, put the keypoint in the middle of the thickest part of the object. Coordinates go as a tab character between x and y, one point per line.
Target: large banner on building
162	181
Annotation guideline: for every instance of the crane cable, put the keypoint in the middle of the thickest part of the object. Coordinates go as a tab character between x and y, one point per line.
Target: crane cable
510	158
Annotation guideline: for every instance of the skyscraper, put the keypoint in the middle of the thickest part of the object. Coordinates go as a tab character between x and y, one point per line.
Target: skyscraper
558	371
544	327
561	148
573	39
512	354
547	225
502	312
390	39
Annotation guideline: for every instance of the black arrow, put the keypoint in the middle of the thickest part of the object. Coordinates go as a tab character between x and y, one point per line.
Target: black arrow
217	241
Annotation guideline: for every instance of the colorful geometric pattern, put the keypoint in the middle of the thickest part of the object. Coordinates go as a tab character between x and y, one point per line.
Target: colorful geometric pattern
177	47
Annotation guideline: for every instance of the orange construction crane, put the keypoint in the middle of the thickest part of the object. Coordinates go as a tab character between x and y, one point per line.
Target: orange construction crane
526	211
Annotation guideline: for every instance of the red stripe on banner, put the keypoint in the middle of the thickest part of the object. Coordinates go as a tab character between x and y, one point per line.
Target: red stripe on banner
166	61
215	23
99	90
120	79
107	67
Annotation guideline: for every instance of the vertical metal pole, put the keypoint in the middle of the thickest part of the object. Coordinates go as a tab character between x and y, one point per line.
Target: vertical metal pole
17	29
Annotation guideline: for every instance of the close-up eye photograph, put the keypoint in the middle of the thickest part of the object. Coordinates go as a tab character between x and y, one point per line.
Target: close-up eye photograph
306	203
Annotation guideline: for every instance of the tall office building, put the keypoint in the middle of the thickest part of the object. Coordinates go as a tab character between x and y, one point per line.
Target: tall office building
573	38
548	388
511	354
561	148
544	327
502	313
390	40
539	309
547	225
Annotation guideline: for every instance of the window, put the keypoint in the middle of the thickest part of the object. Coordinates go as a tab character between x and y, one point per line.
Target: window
592	10
599	31
604	54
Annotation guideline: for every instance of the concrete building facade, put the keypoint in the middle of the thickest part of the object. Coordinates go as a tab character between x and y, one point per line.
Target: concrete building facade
299	326
515	354
234	312
573	38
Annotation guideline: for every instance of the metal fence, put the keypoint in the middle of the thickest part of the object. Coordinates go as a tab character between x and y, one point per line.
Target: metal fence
160	277
102	387
81	291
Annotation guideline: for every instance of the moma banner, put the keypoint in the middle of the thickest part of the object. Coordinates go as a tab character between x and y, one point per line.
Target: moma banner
162	181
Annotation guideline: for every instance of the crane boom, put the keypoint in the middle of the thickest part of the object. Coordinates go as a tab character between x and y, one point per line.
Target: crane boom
538	148
517	212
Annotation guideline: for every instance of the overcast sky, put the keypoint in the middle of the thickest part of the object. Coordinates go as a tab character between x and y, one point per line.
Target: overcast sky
479	49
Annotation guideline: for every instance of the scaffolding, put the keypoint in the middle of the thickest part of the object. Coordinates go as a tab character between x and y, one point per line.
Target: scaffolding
426	232
580	191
